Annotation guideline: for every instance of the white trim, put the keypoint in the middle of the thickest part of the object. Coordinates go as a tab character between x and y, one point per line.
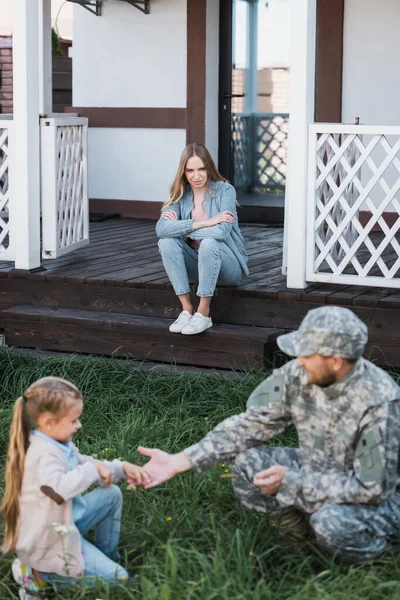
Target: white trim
63	121
49	187
10	213
303	38
353	280
65	205
312	176
355	129
25	159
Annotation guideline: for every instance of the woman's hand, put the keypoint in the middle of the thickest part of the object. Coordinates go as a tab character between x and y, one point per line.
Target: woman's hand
104	472
170	215
223	217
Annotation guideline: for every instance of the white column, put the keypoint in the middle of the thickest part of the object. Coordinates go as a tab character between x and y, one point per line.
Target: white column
45	59
302	105
25	159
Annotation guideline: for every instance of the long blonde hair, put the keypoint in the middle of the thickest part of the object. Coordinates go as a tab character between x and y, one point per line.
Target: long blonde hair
49	394
180	181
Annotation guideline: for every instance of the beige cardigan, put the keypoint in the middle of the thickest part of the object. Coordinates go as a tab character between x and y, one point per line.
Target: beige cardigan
48	488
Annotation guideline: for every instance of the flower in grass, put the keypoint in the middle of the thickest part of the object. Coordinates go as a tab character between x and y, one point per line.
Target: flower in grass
250	553
226	470
124	577
206	418
132	487
119	457
62	529
222	464
168	518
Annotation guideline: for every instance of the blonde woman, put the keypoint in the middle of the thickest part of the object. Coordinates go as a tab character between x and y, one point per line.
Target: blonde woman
199	237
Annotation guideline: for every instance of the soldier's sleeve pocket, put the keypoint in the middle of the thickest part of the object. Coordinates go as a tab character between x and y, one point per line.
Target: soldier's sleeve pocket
369	457
270	392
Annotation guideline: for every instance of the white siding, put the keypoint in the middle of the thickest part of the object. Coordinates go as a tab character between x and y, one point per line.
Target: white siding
371	74
133	164
127	58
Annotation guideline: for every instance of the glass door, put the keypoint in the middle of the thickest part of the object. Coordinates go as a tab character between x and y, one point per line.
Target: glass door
254	94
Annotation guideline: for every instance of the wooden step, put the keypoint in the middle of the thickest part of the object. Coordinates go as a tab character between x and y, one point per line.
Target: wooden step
148	338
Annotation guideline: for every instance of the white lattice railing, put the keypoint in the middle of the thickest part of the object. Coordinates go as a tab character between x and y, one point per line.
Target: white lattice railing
353	212
6	209
65	206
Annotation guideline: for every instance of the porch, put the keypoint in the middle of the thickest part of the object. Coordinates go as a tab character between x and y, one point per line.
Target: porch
113	297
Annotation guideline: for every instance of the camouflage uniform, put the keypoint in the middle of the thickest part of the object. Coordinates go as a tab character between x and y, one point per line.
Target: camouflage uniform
340	485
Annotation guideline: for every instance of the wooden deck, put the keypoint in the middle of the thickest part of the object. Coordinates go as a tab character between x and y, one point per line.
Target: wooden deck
120	272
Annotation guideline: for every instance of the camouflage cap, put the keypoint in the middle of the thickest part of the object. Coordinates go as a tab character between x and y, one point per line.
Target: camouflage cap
328	330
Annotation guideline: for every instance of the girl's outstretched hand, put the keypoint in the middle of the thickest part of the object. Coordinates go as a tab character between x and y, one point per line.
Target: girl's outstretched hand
136	475
104	472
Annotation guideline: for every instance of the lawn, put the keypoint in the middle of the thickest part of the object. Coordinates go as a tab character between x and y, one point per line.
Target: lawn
187	539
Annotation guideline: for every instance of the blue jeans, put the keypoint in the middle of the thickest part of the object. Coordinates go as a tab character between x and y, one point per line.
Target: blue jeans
213	264
103	514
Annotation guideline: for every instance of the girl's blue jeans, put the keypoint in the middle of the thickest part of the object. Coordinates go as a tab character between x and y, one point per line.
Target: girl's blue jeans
213	264
103	515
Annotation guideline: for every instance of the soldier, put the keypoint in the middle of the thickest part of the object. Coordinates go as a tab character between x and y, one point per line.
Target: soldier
340	485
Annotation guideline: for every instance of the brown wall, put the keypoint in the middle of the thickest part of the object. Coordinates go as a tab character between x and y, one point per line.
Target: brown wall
6	76
329	61
62	83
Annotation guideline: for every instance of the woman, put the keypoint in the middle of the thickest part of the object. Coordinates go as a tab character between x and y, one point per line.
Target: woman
200	239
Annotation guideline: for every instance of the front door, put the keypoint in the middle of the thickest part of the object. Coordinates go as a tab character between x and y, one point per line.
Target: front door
254	94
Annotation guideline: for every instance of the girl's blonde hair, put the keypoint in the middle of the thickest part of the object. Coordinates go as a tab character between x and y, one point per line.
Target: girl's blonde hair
180	181
49	394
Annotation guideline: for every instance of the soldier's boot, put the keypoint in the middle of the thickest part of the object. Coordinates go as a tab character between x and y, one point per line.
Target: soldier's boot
292	523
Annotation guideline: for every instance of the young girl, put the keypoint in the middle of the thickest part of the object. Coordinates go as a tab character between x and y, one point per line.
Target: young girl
200	239
45	515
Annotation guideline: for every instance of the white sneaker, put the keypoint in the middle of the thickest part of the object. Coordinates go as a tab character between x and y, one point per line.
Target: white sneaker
198	324
184	319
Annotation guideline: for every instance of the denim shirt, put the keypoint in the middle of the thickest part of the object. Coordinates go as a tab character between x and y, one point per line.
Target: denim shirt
221	196
78	503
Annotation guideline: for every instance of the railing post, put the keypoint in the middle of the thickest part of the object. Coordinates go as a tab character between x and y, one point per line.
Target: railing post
25	157
302	89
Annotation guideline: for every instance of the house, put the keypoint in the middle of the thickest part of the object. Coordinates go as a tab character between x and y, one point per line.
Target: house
150	76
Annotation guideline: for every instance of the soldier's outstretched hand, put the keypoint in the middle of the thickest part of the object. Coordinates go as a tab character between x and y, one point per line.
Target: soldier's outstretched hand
162	465
270	480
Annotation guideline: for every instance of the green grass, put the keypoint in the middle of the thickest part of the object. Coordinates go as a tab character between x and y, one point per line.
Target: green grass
209	548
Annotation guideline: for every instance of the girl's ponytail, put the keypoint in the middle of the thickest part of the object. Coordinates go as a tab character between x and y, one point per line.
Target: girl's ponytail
17	447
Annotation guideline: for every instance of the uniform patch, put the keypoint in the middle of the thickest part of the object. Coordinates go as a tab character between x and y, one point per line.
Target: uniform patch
271	391
369	457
